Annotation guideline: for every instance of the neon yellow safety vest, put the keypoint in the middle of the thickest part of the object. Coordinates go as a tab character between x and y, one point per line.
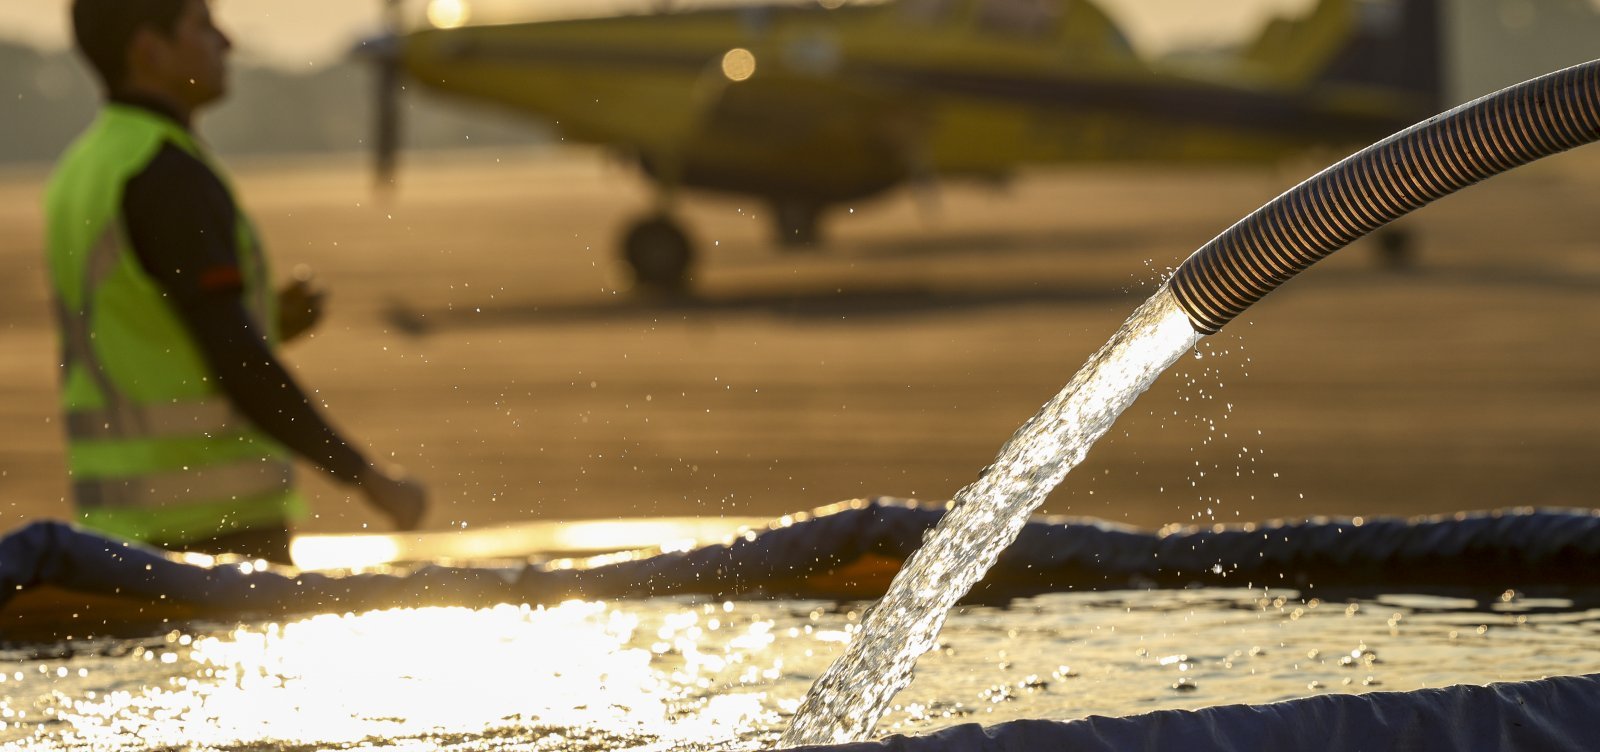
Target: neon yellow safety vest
155	450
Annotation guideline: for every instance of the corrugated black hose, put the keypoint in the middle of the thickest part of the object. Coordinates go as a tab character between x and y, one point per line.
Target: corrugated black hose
1375	186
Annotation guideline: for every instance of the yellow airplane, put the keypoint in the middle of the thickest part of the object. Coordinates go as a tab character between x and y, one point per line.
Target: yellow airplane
807	104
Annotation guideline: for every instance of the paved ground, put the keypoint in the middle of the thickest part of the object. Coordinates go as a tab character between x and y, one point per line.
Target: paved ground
480	333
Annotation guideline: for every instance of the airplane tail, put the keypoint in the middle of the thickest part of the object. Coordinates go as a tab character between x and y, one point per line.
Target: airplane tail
1432	54
1381	47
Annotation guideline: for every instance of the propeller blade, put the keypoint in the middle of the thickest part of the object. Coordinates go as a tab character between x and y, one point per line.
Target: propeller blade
384	52
386	137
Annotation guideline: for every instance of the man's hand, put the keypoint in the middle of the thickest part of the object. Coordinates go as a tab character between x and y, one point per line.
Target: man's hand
300	304
400	498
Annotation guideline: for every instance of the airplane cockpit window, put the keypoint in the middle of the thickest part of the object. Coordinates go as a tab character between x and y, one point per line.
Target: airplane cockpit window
1020	18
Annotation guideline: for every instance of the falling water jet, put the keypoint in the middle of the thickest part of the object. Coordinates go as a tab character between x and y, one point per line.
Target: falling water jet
846	702
1507	129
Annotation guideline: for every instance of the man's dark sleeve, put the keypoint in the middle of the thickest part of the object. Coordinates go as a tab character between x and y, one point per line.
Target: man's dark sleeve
180	221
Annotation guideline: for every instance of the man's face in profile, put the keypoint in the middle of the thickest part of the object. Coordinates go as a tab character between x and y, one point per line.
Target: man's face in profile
197	56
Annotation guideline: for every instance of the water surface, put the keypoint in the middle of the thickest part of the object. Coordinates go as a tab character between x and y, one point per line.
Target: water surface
679	673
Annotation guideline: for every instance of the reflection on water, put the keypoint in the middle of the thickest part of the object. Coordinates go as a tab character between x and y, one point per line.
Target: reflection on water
684	674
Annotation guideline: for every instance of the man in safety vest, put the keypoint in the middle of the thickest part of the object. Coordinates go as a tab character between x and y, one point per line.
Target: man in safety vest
181	421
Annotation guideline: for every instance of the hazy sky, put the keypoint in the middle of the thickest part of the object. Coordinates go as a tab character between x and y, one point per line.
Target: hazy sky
312	32
288	31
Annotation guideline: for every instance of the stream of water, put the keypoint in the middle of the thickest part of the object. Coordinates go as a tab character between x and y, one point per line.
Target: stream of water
845	703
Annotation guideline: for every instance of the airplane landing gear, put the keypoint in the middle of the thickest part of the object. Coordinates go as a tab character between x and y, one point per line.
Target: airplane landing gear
1397	249
659	252
796	223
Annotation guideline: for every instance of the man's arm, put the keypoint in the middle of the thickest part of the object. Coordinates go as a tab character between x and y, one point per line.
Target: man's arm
180	221
261	388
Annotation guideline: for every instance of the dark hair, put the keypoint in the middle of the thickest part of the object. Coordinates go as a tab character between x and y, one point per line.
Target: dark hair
105	28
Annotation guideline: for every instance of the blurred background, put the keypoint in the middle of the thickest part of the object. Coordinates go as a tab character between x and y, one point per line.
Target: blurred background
484	332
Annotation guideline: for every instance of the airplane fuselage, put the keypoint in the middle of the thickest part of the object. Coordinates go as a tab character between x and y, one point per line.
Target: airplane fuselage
837	104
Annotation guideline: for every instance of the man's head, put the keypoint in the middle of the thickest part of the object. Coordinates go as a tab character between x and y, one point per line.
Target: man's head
165	48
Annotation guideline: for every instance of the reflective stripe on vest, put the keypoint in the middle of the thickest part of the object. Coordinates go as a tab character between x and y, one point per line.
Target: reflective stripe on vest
240	480
77	345
212	417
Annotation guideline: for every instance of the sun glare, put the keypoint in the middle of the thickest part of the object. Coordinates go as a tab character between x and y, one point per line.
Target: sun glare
581	667
342	551
738	64
448	14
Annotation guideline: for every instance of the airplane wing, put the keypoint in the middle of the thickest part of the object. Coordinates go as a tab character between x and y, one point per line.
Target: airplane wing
619	80
806	136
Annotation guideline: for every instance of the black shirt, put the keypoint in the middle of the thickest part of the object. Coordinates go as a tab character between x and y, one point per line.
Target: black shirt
181	222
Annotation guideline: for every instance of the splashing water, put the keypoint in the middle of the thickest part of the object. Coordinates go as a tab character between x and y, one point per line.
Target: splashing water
846	702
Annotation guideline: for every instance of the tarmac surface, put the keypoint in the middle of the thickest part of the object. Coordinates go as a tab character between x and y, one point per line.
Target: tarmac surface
481	332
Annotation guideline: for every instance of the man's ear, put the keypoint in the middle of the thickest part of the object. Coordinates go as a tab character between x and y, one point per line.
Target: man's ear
148	53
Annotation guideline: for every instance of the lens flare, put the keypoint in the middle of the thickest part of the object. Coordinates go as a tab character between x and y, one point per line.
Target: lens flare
448	14
739	64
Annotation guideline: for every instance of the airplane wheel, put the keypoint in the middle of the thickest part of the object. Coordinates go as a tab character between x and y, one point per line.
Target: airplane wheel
659	253
1397	249
797	224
